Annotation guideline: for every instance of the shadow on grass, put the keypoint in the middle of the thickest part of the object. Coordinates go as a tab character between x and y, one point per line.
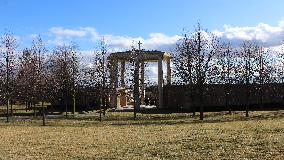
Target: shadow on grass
87	120
218	117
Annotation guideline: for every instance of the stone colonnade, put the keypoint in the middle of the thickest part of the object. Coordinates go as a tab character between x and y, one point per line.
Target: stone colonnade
145	56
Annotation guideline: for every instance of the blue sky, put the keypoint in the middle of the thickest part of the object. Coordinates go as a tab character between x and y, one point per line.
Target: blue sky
157	23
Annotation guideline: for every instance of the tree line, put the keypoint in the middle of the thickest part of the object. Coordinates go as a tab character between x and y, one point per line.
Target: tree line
202	58
37	75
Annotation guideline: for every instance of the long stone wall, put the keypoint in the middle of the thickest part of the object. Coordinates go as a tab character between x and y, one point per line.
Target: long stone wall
224	97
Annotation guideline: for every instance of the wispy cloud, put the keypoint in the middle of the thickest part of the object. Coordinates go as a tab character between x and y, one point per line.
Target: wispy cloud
60	31
57	42
155	41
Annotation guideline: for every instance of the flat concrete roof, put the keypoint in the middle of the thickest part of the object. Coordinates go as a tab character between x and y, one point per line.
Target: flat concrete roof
142	55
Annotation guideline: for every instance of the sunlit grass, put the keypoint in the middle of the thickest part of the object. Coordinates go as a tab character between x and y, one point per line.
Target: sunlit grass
160	136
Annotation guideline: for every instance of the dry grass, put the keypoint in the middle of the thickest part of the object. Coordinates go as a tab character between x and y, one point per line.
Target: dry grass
175	136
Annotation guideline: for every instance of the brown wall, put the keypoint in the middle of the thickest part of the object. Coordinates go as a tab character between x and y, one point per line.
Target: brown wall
186	96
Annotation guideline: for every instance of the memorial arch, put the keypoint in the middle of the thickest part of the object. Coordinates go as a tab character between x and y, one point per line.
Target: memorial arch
142	56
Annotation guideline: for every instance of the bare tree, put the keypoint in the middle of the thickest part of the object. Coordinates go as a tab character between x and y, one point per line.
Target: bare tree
196	61
136	92
132	75
32	75
265	70
8	62
26	78
64	71
248	53
100	75
184	66
39	52
206	46
226	63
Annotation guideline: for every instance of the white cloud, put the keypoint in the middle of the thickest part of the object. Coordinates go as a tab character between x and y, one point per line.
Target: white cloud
118	43
155	41
265	33
59	31
92	31
159	40
80	32
57	42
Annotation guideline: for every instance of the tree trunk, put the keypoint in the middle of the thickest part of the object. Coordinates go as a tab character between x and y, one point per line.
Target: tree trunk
11	107
136	87
104	106
192	98
247	102
247	111
201	116
34	108
7	114
100	113
101	103
227	104
201	112
26	106
66	108
30	105
261	96
85	100
74	104
43	113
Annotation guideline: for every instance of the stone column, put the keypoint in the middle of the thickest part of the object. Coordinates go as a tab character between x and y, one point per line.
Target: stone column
142	82
113	84
160	82
115	81
111	73
122	72
123	100
169	78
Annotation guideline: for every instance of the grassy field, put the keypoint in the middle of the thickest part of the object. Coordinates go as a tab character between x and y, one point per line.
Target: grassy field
172	136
